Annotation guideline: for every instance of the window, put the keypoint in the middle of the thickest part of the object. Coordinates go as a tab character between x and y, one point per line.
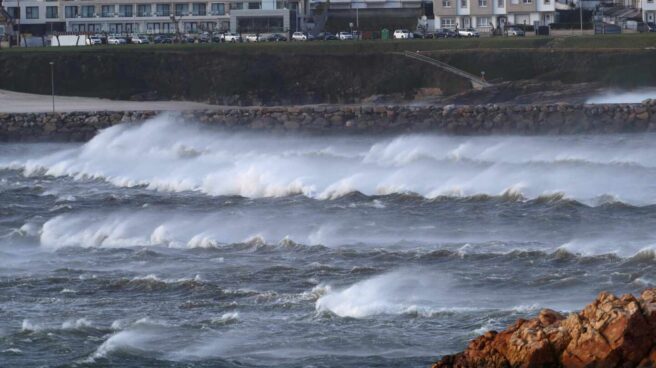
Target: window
107	11
52	12
483	21
70	11
14	12
482	3
199	8
190	26
163	10
125	10
448	22
88	11
218	9
446	3
527	1
500	3
254	5
463	3
167	28
238	6
31	12
547	2
143	10
181	9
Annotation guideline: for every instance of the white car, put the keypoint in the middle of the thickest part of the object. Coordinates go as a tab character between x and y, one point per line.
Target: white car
299	36
402	34
252	38
95	40
140	40
112	40
231	37
469	32
345	36
515	31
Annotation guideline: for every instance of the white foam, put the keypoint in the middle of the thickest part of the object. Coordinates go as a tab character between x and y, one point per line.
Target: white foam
168	156
28	326
635	96
398	292
226	318
76	324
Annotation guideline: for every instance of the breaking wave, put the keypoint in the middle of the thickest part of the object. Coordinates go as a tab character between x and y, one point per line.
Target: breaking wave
168	156
636	96
414	293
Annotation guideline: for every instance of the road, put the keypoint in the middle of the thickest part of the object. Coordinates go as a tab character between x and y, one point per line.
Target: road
12	102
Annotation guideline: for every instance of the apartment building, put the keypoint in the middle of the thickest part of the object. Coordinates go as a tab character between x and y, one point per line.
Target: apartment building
155	16
485	14
648	8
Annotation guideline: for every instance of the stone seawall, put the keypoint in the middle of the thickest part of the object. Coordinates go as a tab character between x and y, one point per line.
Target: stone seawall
465	120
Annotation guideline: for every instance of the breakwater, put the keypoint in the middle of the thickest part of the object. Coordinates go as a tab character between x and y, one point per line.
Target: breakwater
450	119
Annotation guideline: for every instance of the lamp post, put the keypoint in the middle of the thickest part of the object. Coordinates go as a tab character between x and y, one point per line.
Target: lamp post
20	13
581	14
52	84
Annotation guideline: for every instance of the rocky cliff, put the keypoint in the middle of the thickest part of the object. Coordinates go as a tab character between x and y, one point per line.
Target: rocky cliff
610	332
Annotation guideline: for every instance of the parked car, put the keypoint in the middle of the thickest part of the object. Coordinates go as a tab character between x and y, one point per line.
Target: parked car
252	37
445	33
345	36
402	34
204	37
95	40
112	40
515	31
231	37
276	37
140	40
163	39
301	36
326	36
421	34
468	32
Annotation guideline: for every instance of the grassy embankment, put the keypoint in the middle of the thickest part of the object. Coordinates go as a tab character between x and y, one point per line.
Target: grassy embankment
331	71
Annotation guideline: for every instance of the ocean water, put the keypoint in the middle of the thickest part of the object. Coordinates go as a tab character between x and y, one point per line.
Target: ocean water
174	245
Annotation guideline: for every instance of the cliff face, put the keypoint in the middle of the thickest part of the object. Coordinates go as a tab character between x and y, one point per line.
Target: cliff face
610	332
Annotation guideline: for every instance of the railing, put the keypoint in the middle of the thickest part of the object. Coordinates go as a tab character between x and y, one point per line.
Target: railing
476	81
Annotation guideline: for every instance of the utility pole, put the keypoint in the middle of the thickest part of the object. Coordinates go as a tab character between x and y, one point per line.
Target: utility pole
52	84
581	14
20	13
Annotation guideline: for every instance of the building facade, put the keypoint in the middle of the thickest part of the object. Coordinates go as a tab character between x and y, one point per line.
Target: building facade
485	14
155	16
648	10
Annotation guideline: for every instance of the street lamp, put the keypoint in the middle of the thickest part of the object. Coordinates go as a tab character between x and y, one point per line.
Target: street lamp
52	84
581	14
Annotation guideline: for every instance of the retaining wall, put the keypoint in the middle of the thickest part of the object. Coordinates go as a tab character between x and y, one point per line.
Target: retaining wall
376	119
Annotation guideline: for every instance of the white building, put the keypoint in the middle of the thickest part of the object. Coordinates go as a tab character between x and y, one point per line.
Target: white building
156	16
485	14
648	10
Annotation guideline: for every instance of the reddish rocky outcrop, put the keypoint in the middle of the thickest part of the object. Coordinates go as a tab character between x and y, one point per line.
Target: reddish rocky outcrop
610	332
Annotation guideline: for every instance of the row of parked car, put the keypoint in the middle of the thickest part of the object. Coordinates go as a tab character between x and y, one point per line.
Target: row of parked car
404	34
231	37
